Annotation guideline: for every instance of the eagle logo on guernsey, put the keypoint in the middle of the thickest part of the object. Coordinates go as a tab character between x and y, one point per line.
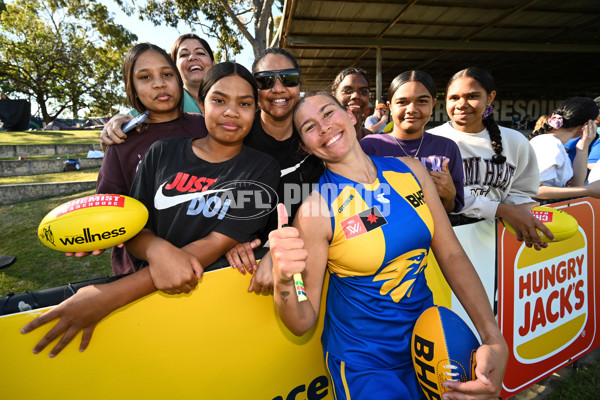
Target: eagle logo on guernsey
362	223
401	273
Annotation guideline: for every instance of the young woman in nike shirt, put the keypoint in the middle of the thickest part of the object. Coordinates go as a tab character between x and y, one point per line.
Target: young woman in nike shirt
184	182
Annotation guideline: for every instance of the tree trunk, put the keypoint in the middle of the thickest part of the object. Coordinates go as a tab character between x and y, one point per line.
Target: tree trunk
260	42
74	108
43	108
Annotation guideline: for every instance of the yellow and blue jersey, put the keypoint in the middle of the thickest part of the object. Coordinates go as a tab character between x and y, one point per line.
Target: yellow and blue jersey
377	289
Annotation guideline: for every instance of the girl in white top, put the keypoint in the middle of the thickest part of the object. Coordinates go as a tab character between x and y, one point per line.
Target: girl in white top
499	164
573	118
594	174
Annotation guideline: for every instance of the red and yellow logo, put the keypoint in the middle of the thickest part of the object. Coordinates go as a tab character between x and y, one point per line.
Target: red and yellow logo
550	305
547	299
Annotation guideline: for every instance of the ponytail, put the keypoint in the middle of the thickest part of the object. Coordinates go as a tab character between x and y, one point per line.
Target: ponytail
574	111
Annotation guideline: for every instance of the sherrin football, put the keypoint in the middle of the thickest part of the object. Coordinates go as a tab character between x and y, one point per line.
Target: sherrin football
561	224
443	348
92	223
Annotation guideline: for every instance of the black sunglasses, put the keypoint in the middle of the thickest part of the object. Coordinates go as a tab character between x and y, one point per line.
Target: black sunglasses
288	77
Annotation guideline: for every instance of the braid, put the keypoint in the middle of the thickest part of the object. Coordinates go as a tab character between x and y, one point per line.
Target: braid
495	138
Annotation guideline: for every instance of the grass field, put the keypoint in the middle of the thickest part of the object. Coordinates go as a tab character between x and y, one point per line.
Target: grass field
584	384
78	155
89	174
37	266
50	137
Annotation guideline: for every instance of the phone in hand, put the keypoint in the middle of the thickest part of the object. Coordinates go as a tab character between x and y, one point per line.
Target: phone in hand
135	122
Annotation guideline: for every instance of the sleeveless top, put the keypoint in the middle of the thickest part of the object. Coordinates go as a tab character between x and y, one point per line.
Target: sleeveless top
377	256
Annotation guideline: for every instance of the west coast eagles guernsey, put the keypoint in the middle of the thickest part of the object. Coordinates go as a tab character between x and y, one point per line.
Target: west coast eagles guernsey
377	256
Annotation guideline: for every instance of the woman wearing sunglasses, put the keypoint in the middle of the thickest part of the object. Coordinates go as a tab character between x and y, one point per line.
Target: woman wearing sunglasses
278	79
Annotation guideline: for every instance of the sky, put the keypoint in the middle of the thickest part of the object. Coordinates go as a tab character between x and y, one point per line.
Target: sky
164	36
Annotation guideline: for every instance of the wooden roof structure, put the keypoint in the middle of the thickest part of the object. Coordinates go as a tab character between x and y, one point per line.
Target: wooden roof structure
534	48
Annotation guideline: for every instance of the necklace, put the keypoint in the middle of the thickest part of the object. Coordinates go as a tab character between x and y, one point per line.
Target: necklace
404	151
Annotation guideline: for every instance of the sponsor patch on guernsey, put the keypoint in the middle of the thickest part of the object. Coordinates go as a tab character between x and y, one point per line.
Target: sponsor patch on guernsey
362	223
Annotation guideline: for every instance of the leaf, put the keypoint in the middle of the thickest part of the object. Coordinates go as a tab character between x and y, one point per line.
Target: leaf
226	21
63	54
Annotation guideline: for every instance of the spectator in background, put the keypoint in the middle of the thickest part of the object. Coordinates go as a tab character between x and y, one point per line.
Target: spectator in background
526	122
593	149
376	122
351	88
540	122
559	178
4	96
194	58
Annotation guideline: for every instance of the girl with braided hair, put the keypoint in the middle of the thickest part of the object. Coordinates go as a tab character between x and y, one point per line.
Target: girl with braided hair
559	179
499	164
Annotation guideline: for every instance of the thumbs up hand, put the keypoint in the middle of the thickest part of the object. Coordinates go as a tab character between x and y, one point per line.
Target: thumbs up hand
287	248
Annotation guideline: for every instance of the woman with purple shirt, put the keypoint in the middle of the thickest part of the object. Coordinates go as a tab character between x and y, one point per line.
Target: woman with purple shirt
411	98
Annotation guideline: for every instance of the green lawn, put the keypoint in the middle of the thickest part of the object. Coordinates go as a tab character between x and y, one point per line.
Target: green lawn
78	155
89	174
37	266
584	384
50	137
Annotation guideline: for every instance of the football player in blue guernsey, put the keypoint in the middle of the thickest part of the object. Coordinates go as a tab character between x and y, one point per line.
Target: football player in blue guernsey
370	223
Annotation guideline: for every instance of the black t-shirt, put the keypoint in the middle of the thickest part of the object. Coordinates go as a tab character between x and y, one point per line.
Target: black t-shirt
187	197
295	183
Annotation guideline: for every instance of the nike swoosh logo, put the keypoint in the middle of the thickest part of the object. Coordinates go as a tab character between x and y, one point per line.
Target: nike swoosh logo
162	202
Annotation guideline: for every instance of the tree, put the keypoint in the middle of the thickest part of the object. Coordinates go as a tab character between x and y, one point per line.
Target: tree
63	54
228	21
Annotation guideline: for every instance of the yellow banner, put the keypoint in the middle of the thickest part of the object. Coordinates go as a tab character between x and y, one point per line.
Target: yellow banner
218	342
